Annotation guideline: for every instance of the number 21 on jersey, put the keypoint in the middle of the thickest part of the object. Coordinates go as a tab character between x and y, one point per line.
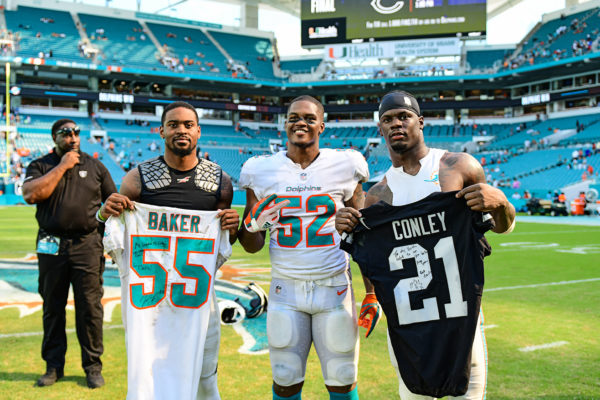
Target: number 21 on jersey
193	297
443	249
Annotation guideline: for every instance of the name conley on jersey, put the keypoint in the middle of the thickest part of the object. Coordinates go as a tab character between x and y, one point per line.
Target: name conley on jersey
419	226
168	222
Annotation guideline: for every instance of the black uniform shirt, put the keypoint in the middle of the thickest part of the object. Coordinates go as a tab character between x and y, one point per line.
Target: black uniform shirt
71	208
425	260
196	189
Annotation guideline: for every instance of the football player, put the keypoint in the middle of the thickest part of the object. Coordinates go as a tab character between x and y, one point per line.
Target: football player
416	172
180	179
294	194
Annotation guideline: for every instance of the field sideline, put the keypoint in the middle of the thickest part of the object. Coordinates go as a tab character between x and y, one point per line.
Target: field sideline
541	314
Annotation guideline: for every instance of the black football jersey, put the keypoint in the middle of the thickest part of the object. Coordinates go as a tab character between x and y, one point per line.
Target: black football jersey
425	260
196	189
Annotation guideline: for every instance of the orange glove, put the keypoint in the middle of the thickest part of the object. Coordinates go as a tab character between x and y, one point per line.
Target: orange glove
369	313
264	214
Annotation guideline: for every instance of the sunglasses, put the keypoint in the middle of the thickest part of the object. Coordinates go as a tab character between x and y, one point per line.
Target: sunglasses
69	131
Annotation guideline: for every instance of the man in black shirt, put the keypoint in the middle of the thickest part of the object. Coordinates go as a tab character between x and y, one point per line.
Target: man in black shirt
68	187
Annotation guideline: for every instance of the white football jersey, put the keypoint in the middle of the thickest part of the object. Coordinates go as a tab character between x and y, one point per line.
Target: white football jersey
408	188
304	244
167	260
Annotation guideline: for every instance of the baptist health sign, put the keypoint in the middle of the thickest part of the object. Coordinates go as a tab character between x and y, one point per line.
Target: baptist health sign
405	48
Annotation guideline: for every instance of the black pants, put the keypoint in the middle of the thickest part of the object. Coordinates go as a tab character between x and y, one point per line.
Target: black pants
80	262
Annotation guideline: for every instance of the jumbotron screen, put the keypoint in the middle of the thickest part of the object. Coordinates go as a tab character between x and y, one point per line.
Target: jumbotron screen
341	21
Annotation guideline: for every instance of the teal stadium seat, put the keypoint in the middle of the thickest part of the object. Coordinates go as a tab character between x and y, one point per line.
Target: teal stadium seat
484	60
116	49
558	177
243	48
197	42
539	40
525	163
590	133
27	21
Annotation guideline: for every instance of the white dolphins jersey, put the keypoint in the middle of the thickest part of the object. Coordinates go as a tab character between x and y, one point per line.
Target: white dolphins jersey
407	188
167	260
304	244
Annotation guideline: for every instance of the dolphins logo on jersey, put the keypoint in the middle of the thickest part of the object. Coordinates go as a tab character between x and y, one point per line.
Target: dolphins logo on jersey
435	178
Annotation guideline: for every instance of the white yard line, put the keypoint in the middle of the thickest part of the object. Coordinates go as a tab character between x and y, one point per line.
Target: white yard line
249	341
581	249
571	220
541	285
543	346
552	232
531	286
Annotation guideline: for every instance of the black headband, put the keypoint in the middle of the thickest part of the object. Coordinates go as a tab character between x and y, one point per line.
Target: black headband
398	99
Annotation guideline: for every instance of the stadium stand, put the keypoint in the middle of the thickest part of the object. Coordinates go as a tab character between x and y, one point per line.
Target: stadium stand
255	52
543	129
524	163
49	33
558	176
131	142
127	126
114	168
486	60
202	54
120	43
43	123
231	160
263	132
194	50
563	37
590	133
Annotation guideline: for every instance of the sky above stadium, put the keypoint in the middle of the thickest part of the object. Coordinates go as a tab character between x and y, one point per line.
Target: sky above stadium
507	28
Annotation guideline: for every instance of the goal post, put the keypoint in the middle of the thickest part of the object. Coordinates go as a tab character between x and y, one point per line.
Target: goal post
5	172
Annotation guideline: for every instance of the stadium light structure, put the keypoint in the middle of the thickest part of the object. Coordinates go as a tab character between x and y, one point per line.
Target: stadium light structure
169	6
498	7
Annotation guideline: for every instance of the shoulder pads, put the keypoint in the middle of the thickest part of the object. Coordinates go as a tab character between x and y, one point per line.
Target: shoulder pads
208	176
155	174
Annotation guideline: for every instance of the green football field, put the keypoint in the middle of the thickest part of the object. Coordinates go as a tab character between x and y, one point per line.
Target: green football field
541	305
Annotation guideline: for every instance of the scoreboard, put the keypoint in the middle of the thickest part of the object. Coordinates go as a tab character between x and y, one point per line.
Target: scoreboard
343	21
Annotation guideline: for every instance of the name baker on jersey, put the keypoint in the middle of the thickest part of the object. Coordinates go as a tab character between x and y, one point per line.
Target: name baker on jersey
168	222
419	226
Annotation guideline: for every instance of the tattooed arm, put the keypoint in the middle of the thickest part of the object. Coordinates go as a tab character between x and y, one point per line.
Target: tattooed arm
379	192
347	218
357	200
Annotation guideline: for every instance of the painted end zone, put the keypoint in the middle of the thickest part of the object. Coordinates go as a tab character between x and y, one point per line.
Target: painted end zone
19	289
